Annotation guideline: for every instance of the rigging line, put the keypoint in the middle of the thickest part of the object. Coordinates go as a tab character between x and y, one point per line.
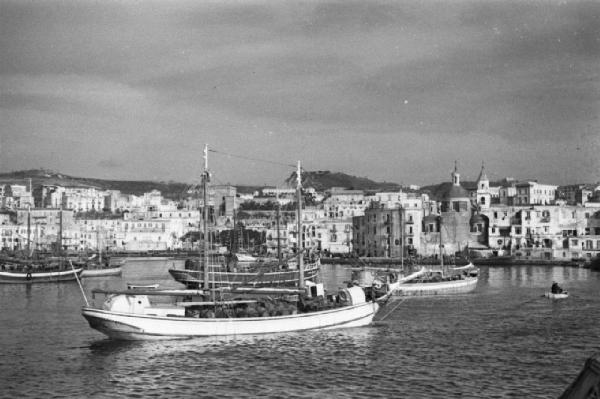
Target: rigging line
251	159
390	312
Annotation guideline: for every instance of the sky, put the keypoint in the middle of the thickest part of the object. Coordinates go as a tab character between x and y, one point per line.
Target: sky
393	91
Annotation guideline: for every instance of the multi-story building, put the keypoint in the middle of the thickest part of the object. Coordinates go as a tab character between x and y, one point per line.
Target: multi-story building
388	231
47	227
344	204
532	192
13	196
577	194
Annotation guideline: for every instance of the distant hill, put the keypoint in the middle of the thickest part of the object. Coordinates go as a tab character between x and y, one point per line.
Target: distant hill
39	177
320	180
323	180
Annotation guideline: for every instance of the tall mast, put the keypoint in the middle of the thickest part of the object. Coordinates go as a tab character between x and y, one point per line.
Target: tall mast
205	215
402	236
28	230
300	241
99	244
60	228
278	237
233	247
441	246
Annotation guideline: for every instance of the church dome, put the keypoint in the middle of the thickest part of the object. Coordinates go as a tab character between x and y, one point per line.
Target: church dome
454	192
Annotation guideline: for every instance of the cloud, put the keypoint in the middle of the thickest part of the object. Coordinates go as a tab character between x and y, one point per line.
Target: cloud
111	163
488	76
70	93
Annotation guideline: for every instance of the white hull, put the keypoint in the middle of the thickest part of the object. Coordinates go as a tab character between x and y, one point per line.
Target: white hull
109	271
245	258
451	287
39	277
551	295
135	327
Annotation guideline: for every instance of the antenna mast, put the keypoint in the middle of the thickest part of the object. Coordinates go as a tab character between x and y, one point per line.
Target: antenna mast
205	216
300	241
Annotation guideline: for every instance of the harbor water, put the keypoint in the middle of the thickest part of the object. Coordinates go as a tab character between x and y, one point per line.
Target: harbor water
503	340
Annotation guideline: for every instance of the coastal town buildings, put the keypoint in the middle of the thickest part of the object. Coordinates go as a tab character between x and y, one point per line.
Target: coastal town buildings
532	192
526	220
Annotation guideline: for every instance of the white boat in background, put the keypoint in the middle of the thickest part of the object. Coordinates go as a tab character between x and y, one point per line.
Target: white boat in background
245	258
441	281
97	266
437	282
39	276
132	315
94	270
432	287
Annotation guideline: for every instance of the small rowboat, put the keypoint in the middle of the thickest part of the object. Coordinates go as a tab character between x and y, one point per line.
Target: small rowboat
561	295
142	286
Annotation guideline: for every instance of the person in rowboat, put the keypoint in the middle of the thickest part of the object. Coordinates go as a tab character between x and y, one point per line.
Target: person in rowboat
556	288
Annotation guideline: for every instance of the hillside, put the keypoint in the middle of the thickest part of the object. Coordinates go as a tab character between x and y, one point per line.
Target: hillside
40	177
323	180
320	180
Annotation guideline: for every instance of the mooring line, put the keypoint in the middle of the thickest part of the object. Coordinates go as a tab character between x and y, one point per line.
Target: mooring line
394	308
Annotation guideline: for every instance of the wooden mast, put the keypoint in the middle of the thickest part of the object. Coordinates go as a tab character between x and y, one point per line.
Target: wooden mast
441	246
300	241
278	237
60	231
205	217
29	230
402	227
99	245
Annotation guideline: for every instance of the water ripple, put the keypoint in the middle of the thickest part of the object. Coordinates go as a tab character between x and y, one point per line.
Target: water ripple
504	340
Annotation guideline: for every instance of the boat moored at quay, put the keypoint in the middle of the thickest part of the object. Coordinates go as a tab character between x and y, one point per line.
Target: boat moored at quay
260	276
41	270
431	285
229	310
39	276
132	316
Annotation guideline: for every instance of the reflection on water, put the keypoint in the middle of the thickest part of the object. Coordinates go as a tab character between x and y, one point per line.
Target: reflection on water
503	340
533	276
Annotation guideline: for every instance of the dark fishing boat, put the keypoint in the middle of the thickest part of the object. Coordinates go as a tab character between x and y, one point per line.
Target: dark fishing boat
205	273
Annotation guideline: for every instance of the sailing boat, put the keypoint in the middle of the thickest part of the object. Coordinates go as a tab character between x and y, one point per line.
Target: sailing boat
256	275
96	266
31	270
131	315
442	281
